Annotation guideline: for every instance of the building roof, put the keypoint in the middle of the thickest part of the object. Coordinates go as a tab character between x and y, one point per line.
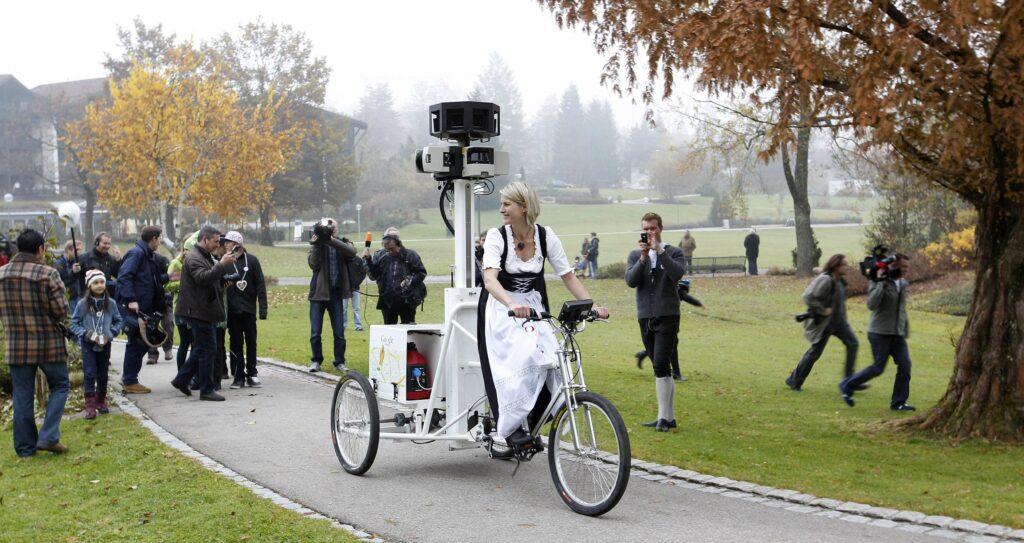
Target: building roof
74	91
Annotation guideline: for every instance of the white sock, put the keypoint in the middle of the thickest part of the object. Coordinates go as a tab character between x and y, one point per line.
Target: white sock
666	389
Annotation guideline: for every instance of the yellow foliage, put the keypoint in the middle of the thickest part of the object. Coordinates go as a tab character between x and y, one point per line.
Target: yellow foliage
174	135
955	248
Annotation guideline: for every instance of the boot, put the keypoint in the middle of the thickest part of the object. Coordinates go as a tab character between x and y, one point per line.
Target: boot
90	405
101	402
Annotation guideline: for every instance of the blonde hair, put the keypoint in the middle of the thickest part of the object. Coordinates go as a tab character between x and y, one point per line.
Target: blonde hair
524	195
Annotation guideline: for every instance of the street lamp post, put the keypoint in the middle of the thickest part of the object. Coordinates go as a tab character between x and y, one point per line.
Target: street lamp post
359	218
8	198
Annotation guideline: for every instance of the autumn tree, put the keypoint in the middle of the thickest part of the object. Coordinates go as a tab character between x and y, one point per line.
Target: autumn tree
173	136
271	60
937	83
139	43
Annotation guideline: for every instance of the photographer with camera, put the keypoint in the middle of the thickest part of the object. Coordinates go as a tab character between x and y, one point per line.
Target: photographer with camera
399	273
140	293
201	307
330	286
888	330
825	317
654	270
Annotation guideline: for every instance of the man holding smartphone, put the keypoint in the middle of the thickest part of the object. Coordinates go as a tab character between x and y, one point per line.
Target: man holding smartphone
653	269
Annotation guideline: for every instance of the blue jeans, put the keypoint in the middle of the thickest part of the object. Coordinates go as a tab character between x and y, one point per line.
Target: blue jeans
200	360
185	340
354	304
335	307
134	352
592	263
882	347
23	382
95	366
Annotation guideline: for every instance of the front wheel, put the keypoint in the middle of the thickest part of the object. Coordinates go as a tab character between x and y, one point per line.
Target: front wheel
355	423
589	455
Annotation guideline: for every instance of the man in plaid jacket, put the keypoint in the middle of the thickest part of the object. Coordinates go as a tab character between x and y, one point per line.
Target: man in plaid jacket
33	311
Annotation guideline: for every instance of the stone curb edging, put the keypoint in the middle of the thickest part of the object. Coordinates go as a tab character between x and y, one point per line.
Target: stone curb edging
793	500
165	437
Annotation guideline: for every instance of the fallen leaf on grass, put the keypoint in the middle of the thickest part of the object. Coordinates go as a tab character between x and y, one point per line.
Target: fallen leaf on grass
133	487
94	481
251	422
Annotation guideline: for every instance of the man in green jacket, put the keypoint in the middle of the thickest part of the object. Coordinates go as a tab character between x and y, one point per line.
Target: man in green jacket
888	330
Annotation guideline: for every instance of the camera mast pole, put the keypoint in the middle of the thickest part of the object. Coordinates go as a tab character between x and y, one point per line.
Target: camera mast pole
463	223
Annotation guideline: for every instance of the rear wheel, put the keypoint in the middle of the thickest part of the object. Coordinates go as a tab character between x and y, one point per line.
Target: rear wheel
589	456
355	423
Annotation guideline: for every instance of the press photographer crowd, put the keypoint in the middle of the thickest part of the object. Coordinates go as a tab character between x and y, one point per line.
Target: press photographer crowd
212	293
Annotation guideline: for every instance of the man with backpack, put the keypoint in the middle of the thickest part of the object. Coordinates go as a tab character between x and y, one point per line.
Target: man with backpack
328	258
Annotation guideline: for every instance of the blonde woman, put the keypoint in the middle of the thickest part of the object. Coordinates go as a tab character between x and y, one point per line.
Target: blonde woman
516	356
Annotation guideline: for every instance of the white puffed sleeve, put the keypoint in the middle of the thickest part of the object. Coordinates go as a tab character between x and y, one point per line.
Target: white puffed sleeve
556	253
493	246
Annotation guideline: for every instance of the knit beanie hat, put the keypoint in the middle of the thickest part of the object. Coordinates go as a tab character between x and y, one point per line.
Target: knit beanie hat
94	275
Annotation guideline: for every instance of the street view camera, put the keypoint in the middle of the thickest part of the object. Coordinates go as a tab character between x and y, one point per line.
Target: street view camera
461	123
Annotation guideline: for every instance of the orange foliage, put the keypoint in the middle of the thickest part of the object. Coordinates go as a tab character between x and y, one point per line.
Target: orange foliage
175	136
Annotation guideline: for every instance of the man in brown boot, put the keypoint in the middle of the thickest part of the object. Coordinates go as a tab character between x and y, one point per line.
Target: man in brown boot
32	311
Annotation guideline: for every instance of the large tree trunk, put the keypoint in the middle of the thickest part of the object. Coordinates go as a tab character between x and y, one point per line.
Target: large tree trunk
797	183
985	396
167	216
266	238
90	212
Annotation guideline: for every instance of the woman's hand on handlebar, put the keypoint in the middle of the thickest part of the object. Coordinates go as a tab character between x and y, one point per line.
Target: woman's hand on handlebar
601	312
520	311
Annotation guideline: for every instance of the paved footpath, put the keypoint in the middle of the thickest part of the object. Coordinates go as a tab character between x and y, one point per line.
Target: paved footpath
279	437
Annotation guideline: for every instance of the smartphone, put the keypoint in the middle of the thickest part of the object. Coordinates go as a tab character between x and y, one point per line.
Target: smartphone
643	237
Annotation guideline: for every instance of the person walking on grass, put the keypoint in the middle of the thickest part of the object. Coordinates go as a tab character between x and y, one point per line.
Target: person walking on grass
752	246
688	245
32	312
826	306
95	322
888	330
654	269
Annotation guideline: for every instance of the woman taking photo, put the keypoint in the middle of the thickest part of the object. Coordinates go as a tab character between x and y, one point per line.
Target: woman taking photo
516	354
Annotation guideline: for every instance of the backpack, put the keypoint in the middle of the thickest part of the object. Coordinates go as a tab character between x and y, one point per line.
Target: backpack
356	273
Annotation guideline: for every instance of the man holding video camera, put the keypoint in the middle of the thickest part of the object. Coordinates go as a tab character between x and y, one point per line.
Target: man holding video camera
654	269
328	258
825	317
888	329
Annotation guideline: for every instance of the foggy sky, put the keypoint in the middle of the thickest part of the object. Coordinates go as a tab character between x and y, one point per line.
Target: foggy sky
401	43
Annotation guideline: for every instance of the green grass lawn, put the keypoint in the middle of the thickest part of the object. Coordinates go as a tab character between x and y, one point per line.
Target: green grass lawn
618	226
737	418
118	483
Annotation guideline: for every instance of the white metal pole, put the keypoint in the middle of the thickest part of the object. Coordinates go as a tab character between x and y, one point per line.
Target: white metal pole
463	223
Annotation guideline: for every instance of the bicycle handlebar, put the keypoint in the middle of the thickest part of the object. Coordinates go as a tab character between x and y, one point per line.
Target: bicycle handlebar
533	315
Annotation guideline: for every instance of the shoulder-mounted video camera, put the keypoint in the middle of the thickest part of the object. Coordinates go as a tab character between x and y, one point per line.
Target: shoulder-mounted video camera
878	260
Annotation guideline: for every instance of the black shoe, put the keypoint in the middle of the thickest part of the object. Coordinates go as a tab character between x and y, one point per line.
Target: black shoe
678	377
847	396
211	397
664	425
791	384
194	384
640	356
314	367
654	423
253	382
182	387
237	383
904	407
862	386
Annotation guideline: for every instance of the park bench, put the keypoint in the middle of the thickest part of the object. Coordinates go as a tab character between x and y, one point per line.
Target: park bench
719	264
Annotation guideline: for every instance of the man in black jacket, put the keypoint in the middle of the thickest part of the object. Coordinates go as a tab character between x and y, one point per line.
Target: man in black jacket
654	269
140	291
201	307
399	273
752	245
99	258
246	289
